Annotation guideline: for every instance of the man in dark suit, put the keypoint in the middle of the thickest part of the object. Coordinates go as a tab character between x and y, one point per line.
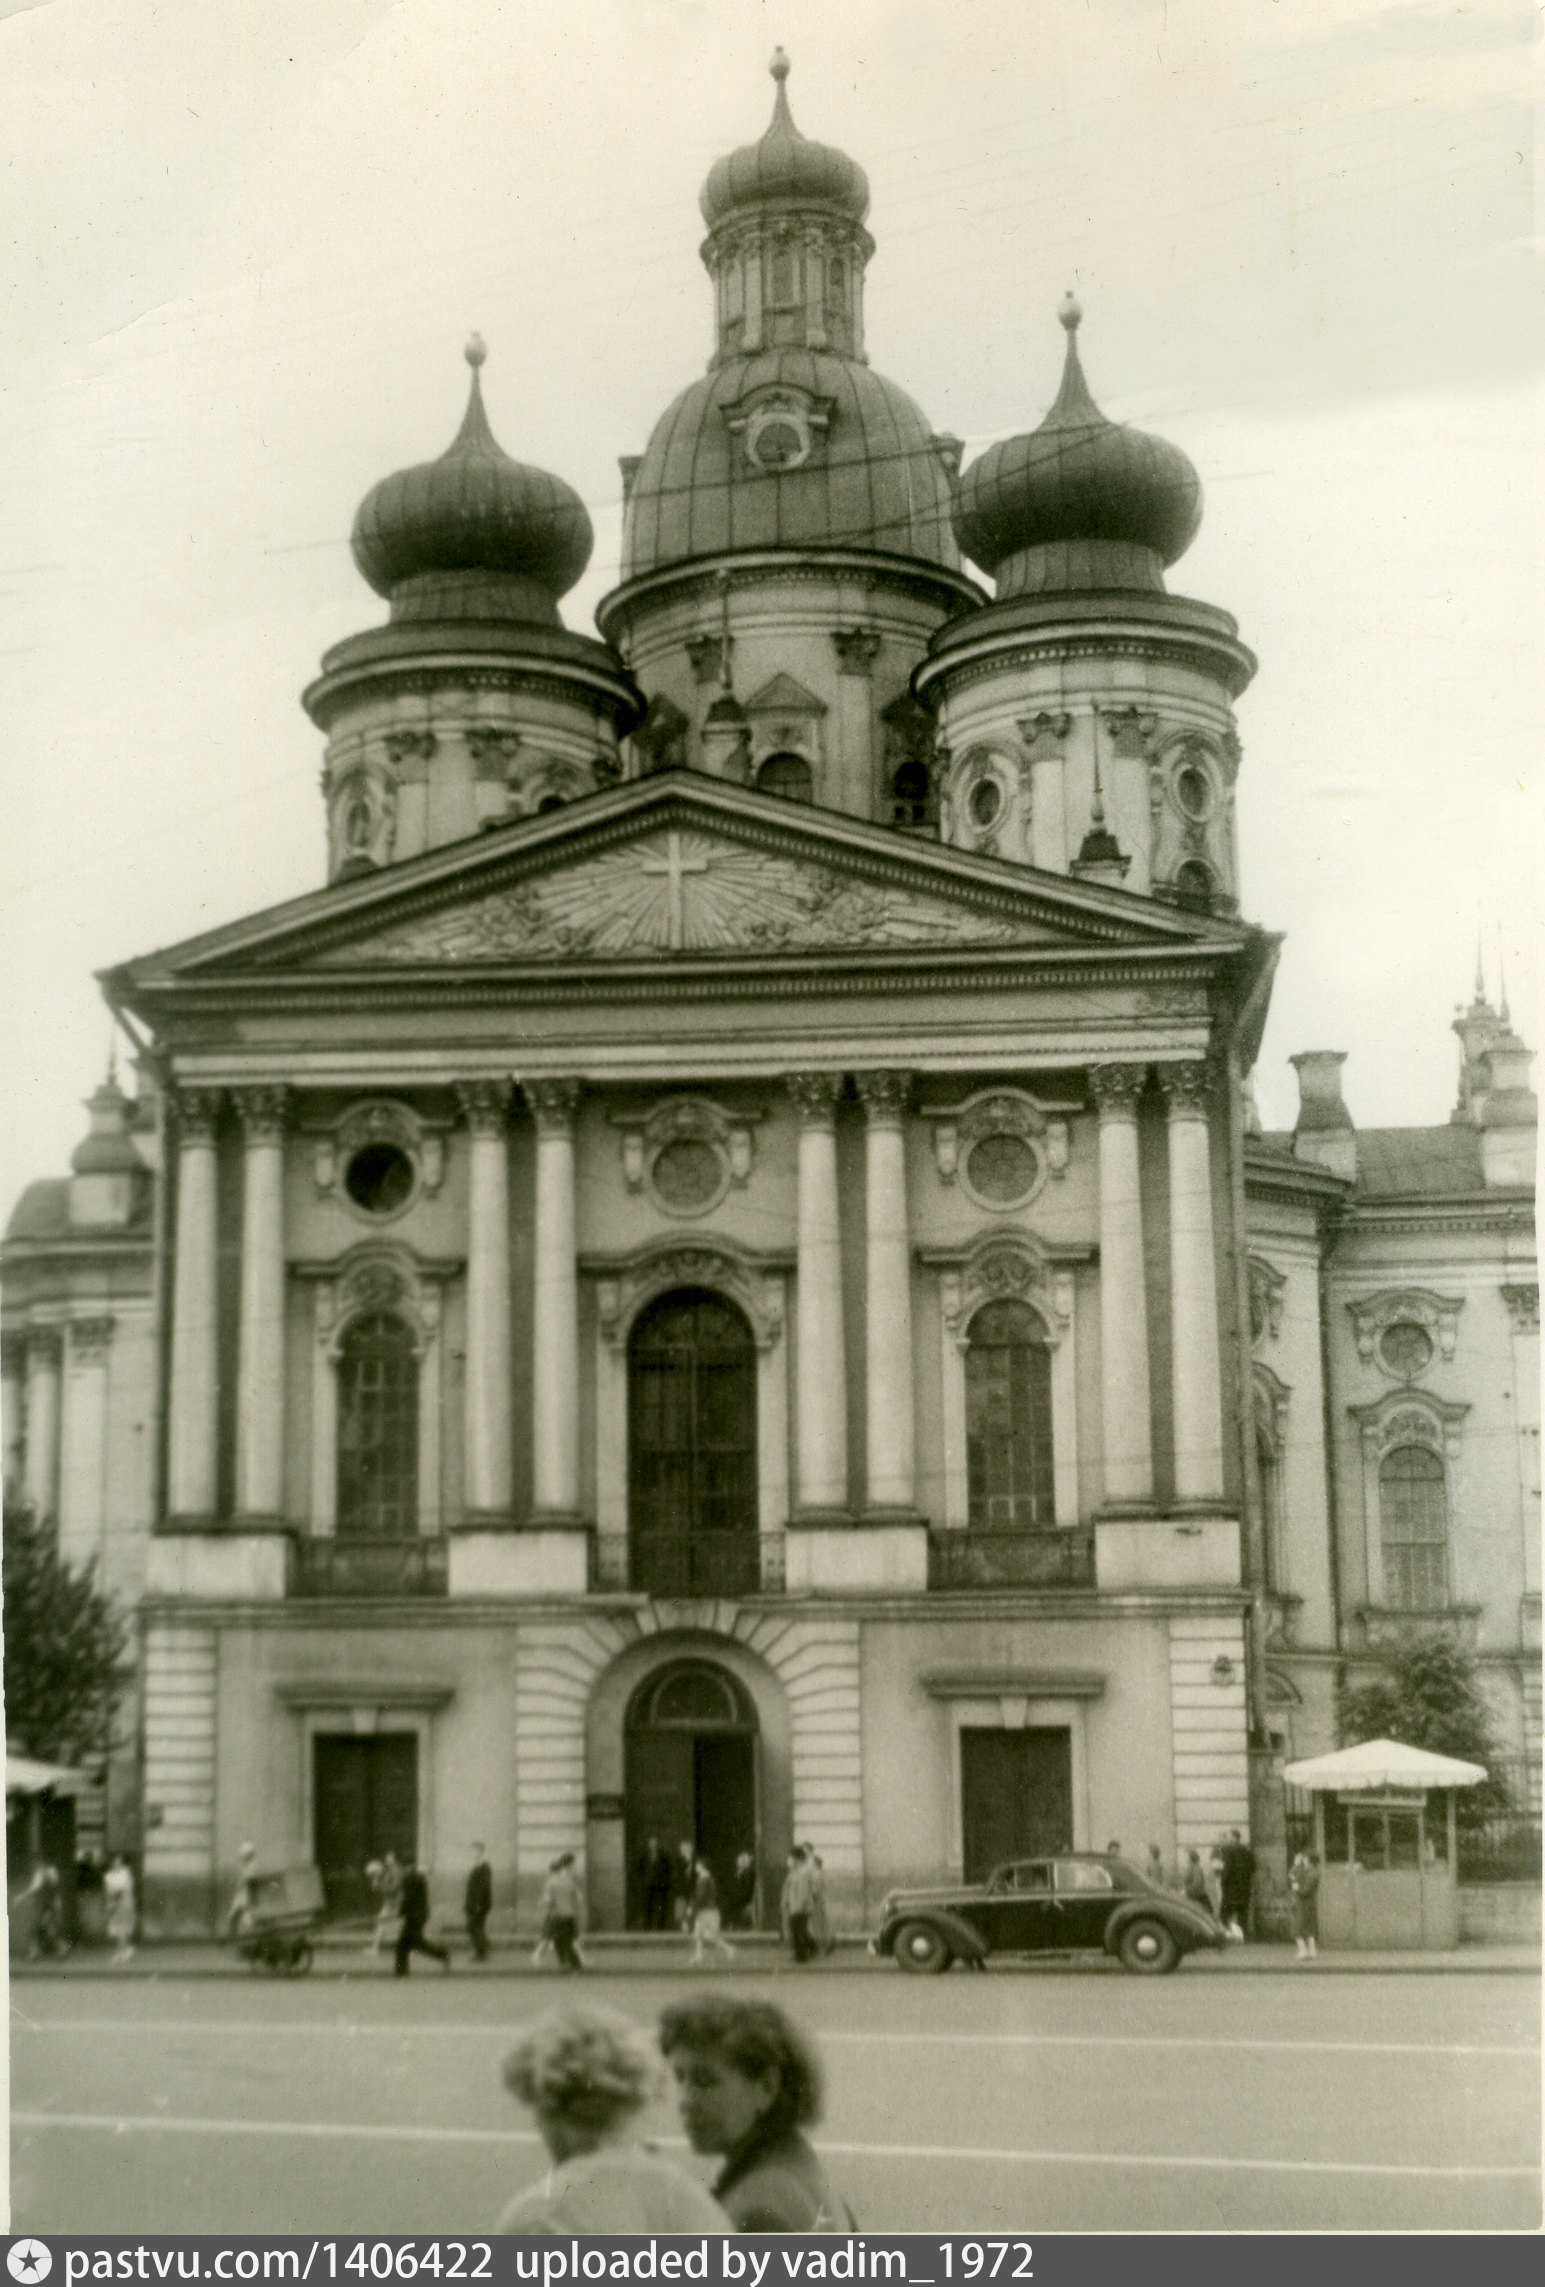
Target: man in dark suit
656	1880
415	1915
479	1901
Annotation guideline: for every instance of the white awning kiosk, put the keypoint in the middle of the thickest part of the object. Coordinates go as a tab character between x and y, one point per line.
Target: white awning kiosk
1386	1836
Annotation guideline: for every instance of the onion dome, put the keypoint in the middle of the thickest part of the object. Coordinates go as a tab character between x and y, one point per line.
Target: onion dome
785	166
1081	502
474	533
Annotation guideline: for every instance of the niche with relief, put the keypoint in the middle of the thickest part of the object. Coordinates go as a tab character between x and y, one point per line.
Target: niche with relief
1000	1147
686	1154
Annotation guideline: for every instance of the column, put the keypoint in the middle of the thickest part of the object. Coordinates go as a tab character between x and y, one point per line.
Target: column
821	1397
83	1456
888	1292
488	1488
40	1474
13	1388
1128	1441
555	1374
260	1356
192	1425
1198	1394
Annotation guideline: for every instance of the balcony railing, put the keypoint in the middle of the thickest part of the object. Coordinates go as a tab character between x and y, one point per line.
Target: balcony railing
1010	1560
689	1563
369	1567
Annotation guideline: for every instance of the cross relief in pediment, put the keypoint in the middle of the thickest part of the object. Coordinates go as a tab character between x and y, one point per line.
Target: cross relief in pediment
680	891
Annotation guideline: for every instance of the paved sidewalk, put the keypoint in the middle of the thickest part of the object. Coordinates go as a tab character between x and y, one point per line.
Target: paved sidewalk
758	1955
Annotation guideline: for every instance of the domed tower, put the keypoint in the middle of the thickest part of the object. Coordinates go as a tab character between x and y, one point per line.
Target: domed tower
787	541
1085	718
474	704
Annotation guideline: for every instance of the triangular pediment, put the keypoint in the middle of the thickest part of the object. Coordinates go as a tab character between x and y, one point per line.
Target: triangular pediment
783	696
673	868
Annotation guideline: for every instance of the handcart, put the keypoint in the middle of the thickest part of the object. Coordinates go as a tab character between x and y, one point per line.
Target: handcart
281	1912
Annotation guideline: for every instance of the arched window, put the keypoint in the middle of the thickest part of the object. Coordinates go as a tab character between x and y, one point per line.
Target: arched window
1193	884
1008	1421
692	1491
788	775
1413	1521
377	1429
912	798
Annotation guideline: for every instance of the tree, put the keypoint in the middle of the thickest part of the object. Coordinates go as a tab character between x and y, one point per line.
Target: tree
64	1649
1429	1696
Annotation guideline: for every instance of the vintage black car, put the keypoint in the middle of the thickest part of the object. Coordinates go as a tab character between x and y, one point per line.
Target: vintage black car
1073	1904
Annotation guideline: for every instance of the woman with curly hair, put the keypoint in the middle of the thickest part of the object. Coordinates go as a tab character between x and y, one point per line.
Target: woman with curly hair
747	2082
587	2076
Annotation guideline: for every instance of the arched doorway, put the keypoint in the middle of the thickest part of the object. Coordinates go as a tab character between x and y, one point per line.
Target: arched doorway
690	1763
692	1491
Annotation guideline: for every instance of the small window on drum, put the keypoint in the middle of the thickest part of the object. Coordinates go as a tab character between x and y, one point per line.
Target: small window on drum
984	803
379	1178
1193	790
1193	885
788	775
912	802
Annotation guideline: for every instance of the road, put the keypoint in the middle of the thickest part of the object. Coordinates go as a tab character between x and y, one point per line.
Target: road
1018	2101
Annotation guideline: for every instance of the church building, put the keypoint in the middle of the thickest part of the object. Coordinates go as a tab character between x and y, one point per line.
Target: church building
718	1280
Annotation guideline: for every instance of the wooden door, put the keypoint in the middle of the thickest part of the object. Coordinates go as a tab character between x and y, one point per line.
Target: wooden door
365	1804
1016	1796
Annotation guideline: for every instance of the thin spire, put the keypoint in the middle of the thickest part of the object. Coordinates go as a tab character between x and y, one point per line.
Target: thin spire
1097	815
1502	980
1480	973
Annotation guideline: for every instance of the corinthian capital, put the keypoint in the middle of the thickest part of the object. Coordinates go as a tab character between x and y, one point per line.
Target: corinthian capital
1116	1088
1185	1087
884	1094
262	1111
553	1104
198	1114
486	1104
815	1097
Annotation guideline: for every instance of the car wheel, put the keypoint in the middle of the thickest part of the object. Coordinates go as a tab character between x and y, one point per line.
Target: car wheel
919	1947
1148	1948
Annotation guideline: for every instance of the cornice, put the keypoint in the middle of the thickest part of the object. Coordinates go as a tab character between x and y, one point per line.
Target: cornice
964	653
701	577
475	671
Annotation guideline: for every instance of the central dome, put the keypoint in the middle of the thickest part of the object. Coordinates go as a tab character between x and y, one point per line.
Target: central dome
784	166
863	473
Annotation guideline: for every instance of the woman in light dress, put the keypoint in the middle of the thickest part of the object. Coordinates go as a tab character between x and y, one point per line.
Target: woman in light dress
587	2076
118	1891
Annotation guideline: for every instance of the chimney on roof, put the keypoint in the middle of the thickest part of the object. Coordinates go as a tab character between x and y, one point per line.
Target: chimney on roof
1323	1131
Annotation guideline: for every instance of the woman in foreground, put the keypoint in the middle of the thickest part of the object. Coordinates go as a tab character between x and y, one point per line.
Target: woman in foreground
748	2081
587	2076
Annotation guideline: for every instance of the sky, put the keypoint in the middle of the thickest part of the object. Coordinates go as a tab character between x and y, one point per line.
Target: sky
241	249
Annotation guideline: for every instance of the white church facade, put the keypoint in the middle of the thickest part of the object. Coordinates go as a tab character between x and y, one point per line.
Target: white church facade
718	1279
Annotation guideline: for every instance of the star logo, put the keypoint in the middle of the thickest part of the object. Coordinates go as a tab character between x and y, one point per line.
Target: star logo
28	2260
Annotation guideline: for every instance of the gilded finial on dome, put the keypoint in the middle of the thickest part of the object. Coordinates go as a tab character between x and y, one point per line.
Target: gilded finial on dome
779	67
476	351
1070	311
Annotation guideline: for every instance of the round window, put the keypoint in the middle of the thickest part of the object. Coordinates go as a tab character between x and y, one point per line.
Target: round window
984	801
1001	1170
777	440
379	1178
1193	790
687	1175
1405	1349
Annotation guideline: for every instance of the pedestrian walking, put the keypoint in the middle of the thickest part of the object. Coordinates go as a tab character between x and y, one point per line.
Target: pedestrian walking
587	2076
1238	1882
1155	1871
479	1901
740	1893
238	1917
1213	1871
1193	1881
118	1891
683	1883
411	1936
387	1884
560	1912
45	1893
820	1927
795	1906
655	1881
707	1927
1304	1885
748	2083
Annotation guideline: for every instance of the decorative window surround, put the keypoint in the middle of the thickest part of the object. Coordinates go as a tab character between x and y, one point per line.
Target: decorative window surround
757	1285
1373	1314
958	1128
1026	1705
1406	1417
1013	1265
381	1120
365	1711
689	1119
1268	1286
377	1275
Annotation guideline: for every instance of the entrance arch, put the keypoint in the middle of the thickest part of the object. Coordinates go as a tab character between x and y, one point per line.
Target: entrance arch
692	1448
690	1748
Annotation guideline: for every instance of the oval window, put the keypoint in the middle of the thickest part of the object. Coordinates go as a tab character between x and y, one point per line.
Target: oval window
379	1178
1002	1170
687	1175
1406	1349
1193	790
984	801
